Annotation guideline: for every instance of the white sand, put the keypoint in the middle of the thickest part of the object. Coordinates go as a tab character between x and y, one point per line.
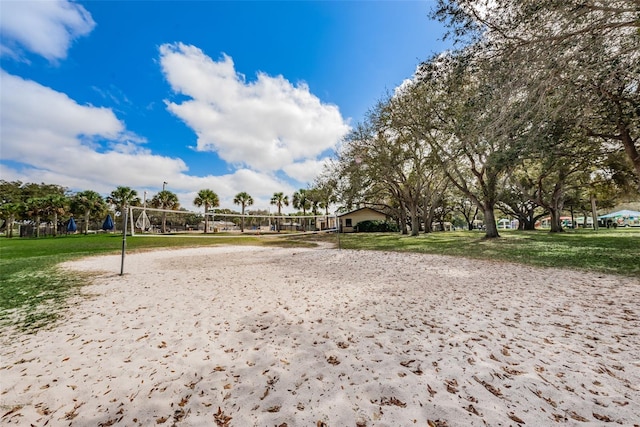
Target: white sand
283	337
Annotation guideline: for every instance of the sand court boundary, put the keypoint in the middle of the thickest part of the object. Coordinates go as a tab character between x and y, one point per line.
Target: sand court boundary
255	336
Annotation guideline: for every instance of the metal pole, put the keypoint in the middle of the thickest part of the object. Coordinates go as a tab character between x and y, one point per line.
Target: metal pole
124	240
338	231
131	220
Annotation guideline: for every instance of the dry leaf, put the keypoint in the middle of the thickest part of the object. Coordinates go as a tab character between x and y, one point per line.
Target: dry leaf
604	418
431	391
515	418
221	419
333	360
392	401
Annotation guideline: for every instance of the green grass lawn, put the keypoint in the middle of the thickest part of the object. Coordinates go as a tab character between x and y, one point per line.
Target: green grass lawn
33	290
605	251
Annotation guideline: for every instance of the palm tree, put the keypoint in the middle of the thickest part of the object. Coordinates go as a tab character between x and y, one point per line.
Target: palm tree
55	204
165	200
208	199
279	199
301	201
36	207
243	199
88	202
9	211
122	197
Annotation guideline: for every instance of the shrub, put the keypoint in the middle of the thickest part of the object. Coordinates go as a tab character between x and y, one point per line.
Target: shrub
376	226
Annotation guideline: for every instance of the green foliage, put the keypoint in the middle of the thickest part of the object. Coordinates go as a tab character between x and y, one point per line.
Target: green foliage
280	200
376	226
122	197
207	198
243	199
301	200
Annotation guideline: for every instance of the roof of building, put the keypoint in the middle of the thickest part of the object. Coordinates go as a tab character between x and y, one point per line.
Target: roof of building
360	209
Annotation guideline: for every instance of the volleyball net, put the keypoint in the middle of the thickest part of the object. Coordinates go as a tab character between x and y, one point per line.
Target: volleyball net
154	221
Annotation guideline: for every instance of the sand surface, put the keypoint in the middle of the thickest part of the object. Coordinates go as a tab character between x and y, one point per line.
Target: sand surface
245	336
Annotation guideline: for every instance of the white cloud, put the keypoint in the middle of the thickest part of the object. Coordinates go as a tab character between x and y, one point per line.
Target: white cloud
55	140
305	171
266	125
43	27
58	138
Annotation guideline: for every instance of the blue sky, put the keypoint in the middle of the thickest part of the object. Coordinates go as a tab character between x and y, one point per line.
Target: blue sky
231	96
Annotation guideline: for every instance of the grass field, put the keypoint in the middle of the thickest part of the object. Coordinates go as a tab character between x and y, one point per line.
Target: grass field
608	251
33	289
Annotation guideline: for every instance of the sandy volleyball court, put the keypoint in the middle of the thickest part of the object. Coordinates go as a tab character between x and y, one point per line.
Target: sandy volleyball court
243	336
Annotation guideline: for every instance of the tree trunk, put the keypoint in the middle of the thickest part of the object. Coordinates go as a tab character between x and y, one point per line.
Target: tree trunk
415	220
491	231
12	219
87	213
55	224
526	220
38	226
556	225
428	219
556	208
403	219
206	219
630	148
164	222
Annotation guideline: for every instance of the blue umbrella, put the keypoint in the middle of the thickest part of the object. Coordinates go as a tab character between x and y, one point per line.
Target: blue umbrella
71	226
108	223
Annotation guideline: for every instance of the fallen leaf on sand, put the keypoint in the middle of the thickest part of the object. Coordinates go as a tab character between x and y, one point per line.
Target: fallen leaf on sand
515	418
452	386
221	419
392	401
431	391
333	360
12	410
473	410
604	418
577	417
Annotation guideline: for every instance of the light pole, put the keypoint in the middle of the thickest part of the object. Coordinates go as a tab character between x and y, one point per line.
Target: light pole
269	211
164	185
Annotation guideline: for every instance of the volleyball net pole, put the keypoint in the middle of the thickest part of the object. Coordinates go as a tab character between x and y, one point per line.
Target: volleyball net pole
124	239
